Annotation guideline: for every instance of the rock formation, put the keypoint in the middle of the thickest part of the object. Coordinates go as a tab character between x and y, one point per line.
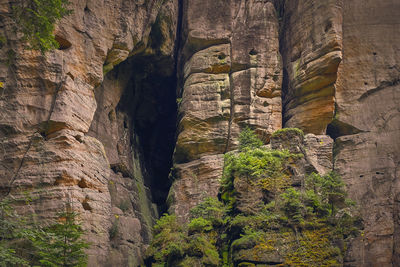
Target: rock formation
132	115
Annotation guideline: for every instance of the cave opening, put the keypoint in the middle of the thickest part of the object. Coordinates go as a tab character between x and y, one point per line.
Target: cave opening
136	122
149	100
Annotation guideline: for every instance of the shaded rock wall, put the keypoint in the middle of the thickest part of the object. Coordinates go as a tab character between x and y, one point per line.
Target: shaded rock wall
367	122
341	75
327	67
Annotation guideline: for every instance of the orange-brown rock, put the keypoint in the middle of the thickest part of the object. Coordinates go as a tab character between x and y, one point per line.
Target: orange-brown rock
93	124
232	73
311	49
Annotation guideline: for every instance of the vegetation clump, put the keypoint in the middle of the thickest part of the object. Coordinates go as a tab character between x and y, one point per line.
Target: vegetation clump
36	19
25	243
295	226
248	140
178	245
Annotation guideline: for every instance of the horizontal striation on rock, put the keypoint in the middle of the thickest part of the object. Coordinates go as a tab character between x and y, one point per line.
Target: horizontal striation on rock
311	42
231	72
94	123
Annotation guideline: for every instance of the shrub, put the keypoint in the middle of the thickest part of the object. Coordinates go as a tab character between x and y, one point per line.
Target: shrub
169	241
23	243
199	225
304	225
114	229
293	206
210	209
36	19
62	244
249	140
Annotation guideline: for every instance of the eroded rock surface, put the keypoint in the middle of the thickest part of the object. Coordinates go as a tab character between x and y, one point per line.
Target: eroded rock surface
48	105
232	73
330	68
368	125
311	49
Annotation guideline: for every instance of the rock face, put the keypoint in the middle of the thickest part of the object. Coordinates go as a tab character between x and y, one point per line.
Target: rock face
94	125
365	92
311	49
368	125
48	106
231	77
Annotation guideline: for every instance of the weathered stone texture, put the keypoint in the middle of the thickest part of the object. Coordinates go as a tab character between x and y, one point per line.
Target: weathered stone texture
311	49
65	136
232	74
47	105
367	124
363	91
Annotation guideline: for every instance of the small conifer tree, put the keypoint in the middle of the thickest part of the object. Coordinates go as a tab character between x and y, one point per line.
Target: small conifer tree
25	243
62	245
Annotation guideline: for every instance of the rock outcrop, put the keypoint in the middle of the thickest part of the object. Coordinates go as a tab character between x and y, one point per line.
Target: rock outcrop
94	124
231	78
341	67
48	105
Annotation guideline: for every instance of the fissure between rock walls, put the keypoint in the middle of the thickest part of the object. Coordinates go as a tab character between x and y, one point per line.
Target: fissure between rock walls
156	92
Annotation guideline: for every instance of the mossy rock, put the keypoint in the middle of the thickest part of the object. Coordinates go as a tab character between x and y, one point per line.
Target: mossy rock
287	132
288	138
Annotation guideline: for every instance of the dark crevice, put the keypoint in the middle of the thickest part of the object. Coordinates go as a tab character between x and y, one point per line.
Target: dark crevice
338	128
285	90
136	122
150	103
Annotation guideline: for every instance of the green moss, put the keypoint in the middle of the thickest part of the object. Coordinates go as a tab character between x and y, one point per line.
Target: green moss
107	68
266	168
3	41
287	131
314	248
296	226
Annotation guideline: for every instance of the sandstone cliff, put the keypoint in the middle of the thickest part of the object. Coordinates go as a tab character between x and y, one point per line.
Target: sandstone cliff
142	87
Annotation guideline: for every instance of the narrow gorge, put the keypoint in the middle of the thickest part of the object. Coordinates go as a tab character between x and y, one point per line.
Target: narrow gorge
132	116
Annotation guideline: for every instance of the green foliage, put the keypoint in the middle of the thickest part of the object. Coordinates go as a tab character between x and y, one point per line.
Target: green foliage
11	229
303	225
3	41
210	209
114	229
200	225
169	241
62	245
24	243
202	247
249	140
292	206
36	20
262	167
174	245
125	205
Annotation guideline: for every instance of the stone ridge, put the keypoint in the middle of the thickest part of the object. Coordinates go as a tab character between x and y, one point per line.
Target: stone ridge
232	73
70	134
